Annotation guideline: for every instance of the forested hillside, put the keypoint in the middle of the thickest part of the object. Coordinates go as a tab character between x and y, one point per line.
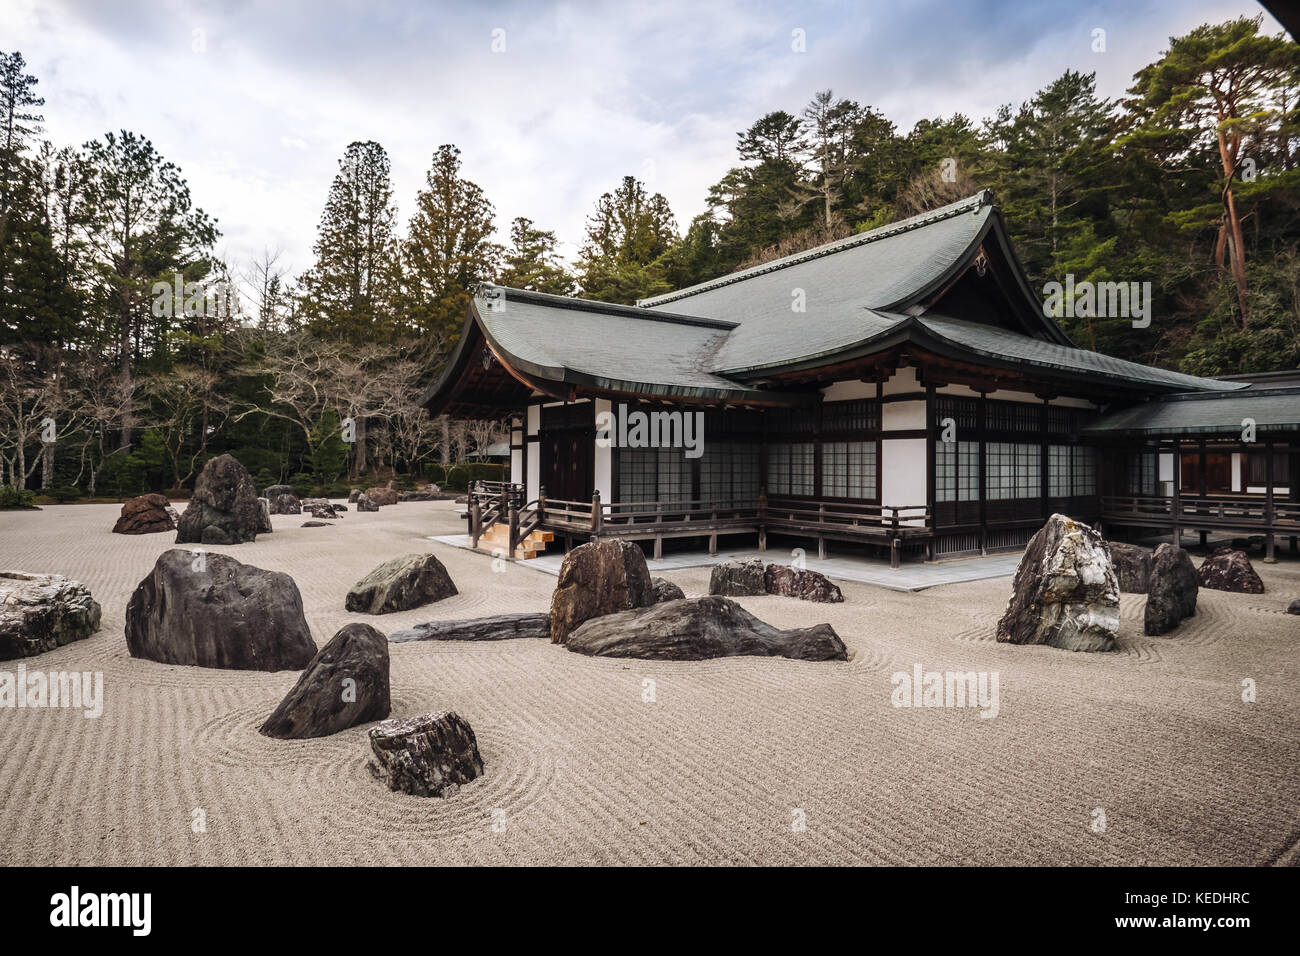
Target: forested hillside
150	355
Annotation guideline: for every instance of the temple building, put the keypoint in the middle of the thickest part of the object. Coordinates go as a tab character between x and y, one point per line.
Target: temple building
902	388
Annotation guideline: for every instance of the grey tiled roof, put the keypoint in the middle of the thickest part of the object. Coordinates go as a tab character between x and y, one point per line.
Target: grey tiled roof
998	343
609	346
841	283
1216	413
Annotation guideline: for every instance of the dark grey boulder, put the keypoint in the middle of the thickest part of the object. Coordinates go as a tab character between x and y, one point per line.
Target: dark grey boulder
317	510
1065	593
209	610
1230	570
400	584
39	612
738	578
800	583
337	507
271	492
1293	607
665	590
263	516
364	503
697	629
499	627
353	495
599	577
1132	567
285	504
317	524
345	684
223	508
1171	595
429	755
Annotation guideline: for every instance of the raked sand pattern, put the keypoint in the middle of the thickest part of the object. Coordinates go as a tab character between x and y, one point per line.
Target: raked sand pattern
580	769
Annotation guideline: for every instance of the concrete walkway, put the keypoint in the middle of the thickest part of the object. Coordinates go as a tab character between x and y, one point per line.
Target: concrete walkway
912	576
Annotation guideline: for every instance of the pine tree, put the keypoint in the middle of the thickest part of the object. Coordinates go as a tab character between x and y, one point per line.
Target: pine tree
532	261
627	236
350	293
449	253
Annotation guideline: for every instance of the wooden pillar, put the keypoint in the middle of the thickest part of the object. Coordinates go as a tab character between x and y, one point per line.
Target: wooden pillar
1043	463
597	514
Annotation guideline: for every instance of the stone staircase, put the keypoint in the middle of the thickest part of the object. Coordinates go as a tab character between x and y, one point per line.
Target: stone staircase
498	538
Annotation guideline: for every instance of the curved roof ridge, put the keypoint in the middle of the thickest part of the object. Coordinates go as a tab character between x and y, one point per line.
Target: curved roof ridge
970	204
595	305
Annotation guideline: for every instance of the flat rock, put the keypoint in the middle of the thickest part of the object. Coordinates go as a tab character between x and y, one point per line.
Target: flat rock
738	578
345	684
1171	594
665	590
599	577
1065	593
209	610
1230	570
429	755
147	514
1132	567
400	584
499	627
223	508
317	524
800	583
39	612
696	629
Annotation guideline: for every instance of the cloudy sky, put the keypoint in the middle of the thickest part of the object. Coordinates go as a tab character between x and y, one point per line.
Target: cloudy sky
256	100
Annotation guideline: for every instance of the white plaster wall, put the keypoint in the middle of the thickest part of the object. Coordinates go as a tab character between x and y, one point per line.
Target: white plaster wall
902	475
1165	465
604	476
847	390
900	416
904	380
1236	471
534	453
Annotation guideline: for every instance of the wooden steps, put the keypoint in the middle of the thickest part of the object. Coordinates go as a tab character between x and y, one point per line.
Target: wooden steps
498	538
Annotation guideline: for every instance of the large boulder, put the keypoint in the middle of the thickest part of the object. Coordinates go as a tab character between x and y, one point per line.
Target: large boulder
326	511
223	508
738	578
263	516
353	495
665	590
429	755
209	610
599	577
1171	593
382	496
39	612
800	583
1065	593
1132	567
147	514
422	495
271	492
499	627
345	684
364	503
696	629
1230	570
285	503
400	584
